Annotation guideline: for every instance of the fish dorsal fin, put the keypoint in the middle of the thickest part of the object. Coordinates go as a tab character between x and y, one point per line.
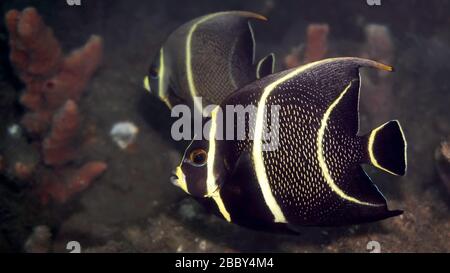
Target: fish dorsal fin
265	66
346	107
331	76
243	167
333	83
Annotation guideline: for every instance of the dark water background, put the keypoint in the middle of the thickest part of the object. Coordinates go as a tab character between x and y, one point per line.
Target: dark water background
133	207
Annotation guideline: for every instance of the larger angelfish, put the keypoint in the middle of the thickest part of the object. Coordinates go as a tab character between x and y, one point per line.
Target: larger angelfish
311	173
209	57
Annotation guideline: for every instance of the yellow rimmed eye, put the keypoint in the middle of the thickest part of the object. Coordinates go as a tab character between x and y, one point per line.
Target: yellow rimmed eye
198	157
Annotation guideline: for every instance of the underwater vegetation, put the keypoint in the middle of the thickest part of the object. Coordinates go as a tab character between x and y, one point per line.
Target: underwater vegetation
54	84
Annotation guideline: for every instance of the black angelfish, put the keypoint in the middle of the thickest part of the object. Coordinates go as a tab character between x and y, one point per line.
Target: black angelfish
313	176
209	57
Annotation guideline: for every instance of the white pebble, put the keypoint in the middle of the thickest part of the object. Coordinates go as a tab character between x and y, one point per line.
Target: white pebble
202	245
124	133
14	130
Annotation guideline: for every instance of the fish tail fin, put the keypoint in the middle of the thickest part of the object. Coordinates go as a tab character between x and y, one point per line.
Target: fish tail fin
385	148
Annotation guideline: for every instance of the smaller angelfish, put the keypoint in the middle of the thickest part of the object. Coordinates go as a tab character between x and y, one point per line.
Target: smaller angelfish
209	57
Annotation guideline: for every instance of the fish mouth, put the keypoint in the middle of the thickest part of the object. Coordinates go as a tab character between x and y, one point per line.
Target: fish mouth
174	178
178	179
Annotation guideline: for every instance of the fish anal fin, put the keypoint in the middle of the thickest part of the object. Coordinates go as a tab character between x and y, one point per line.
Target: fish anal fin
360	186
361	214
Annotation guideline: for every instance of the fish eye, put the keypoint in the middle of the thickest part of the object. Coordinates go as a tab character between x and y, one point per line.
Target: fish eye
154	72
198	157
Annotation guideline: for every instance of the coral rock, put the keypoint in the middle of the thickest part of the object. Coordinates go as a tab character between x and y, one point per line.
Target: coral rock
61	186
293	58
37	123
50	78
53	86
75	73
33	98
442	157
35	52
315	49
379	45
85	175
39	241
58	147
23	171
317	42
379	100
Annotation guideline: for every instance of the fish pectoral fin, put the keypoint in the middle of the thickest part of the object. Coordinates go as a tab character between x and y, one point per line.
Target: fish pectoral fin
386	148
265	66
243	168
